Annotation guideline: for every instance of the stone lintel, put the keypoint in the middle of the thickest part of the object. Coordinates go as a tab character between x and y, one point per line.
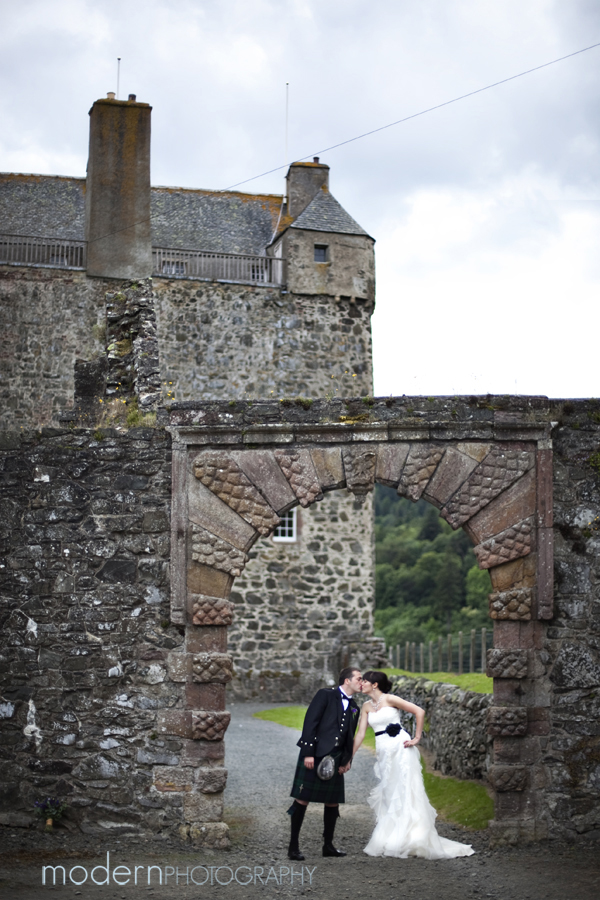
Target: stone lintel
256	436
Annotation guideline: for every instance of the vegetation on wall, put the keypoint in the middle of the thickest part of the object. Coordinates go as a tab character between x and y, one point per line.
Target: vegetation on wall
427	578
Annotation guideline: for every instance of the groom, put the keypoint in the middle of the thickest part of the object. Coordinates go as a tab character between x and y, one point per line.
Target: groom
329	727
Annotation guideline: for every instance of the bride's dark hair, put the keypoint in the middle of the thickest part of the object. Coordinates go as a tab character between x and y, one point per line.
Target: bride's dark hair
380	679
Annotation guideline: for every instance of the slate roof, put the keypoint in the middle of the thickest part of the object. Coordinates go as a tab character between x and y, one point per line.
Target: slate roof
42	206
324	213
182	218
229	222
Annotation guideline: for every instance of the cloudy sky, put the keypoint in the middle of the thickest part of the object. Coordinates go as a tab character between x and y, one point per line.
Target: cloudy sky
486	212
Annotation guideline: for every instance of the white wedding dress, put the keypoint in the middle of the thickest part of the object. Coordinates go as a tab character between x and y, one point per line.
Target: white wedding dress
405	818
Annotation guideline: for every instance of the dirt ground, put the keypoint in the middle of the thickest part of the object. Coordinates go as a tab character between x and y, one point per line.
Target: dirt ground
257	865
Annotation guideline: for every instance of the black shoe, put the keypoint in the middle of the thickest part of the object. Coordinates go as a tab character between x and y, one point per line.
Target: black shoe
329	850
296	855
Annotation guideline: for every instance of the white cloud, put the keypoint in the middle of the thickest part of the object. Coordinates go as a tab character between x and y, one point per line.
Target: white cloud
485	212
462	308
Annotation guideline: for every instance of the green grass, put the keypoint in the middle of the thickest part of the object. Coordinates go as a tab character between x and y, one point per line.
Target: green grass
462	802
292	716
481	684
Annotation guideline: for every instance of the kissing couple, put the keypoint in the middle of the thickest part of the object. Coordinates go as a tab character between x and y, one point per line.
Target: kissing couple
334	728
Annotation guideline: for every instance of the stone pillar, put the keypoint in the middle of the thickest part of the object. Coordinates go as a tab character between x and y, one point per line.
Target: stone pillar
519	721
117	202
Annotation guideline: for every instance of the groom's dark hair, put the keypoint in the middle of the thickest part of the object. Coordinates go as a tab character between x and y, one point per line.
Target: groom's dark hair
346	673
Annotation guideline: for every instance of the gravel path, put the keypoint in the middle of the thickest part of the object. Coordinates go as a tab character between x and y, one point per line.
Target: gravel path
261	757
256	805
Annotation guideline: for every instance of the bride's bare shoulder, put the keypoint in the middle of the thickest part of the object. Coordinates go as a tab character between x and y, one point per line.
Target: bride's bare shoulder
393	700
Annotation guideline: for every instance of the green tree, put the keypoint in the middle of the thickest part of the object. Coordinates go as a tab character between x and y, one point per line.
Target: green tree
427	578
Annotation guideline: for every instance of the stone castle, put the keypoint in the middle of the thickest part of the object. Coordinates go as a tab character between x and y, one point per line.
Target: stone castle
254	296
188	451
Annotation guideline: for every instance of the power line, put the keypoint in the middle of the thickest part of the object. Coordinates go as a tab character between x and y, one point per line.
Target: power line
423	112
376	130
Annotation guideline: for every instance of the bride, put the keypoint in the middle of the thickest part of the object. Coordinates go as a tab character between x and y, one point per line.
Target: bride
405	823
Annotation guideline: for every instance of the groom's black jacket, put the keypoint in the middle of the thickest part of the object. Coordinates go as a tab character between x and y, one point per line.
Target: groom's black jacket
327	727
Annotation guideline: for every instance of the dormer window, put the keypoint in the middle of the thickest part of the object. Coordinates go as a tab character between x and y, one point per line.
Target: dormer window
321	254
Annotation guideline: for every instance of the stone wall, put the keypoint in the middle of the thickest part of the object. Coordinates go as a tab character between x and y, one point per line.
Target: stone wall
230	341
197	339
571	647
455	731
84	612
297	605
48	319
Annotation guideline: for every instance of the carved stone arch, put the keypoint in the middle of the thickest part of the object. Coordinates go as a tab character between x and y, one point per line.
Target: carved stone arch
231	486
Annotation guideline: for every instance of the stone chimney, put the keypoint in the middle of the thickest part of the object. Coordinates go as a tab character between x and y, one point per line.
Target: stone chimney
117	201
304	181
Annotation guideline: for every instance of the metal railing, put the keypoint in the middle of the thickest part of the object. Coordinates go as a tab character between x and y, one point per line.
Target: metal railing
36	251
26	250
235	267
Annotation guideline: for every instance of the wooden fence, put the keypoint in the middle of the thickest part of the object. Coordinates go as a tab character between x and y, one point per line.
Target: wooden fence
457	653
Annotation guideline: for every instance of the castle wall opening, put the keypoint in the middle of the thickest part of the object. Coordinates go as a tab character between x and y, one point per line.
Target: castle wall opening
235	479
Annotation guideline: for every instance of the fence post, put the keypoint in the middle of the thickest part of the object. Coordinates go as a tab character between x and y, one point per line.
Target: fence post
413	657
422	656
449	669
483	650
440	655
397	656
430	656
460	652
472	652
407	657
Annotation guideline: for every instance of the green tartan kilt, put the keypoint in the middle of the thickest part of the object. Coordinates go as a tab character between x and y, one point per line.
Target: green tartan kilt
309	787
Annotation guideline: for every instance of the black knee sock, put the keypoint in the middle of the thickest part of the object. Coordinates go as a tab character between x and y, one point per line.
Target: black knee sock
296	812
330	816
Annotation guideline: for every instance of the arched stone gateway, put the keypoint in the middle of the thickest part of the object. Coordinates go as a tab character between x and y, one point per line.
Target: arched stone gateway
238	467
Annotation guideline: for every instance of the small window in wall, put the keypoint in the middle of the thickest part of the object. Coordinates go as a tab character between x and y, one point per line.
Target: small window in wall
286	530
321	253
